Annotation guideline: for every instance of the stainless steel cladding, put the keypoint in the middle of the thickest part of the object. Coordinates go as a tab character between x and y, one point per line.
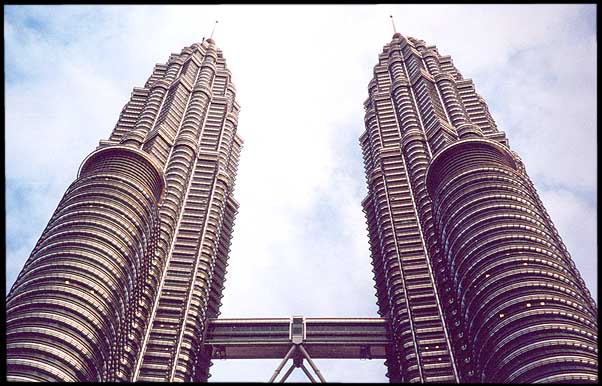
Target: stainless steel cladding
132	263
469	269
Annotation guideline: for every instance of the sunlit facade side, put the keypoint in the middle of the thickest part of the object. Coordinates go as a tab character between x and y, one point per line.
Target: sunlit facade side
132	263
468	265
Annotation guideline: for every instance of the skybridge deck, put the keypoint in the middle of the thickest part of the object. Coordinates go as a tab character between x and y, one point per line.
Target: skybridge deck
271	338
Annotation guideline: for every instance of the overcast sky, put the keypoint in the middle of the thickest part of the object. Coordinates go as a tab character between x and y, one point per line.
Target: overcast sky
300	244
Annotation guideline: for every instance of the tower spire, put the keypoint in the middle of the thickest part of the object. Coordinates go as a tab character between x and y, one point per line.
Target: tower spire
213	30
393	23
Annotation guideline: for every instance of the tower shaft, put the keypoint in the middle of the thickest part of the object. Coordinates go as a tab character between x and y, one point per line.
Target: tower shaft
132	263
469	267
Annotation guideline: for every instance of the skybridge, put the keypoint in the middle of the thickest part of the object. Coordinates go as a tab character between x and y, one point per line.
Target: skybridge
298	338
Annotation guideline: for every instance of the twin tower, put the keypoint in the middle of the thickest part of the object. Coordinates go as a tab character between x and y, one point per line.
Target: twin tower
472	279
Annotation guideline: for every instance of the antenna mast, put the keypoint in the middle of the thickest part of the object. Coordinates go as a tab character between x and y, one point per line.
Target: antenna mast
393	22
213	30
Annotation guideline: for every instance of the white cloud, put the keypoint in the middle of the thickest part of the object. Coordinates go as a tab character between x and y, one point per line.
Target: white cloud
300	242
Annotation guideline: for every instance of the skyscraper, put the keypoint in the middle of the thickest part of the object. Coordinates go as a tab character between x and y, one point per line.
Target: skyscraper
470	271
132	262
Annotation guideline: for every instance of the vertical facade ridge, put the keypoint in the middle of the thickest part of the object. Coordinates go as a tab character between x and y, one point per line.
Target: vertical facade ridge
501	297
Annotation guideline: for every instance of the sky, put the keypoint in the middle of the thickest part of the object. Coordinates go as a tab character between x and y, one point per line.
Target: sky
300	244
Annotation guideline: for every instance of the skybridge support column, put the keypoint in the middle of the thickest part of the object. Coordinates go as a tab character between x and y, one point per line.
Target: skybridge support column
307	373
281	365
298	353
288	373
311	363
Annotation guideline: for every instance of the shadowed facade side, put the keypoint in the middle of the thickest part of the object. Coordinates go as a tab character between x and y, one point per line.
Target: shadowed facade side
469	268
132	263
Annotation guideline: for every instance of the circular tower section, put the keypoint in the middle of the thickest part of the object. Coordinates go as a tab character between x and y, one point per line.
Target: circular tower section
77	304
528	316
